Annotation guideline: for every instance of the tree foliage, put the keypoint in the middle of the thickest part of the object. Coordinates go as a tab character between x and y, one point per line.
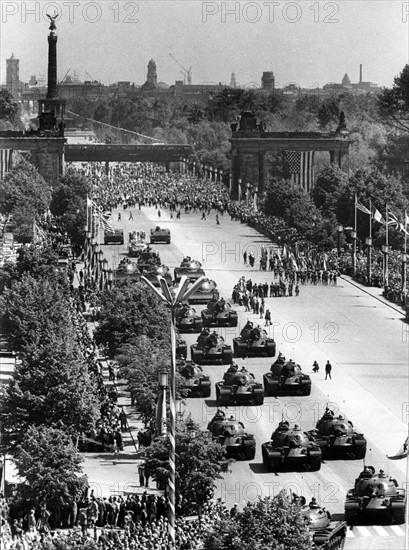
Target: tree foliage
268	524
128	311
199	462
48	462
394	102
8	107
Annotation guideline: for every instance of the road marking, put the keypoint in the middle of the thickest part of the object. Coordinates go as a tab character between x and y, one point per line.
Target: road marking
398	530
350	534
363	531
381	531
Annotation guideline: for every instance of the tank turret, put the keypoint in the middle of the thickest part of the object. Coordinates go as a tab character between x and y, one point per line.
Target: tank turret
187	319
285	378
232	435
211	348
219	313
192	269
195	383
239	386
253	340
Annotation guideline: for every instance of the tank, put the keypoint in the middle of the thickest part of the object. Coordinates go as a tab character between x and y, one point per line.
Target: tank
192	269
291	447
152	272
204	293
286	378
338	438
187	319
253	340
160	235
375	496
240	387
326	534
232	435
135	248
211	348
195	382
127	270
220	314
147	259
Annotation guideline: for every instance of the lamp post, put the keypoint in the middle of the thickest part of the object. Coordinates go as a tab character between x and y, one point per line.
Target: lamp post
162	423
171	299
340	229
368	242
353	236
248	186
404	259
110	278
104	283
385	252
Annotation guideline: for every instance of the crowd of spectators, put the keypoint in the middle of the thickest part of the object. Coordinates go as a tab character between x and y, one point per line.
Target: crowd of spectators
119	523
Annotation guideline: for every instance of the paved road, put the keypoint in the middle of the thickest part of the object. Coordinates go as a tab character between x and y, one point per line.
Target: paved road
364	338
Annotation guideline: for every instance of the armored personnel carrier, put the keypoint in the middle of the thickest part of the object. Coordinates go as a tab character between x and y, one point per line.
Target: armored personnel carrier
253	340
211	348
232	435
115	237
204	293
239	386
192	269
219	313
326	534
159	235
377	496
337	437
286	378
196	383
187	320
291	447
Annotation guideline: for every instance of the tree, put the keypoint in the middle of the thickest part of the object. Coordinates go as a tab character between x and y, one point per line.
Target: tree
8	107
268	524
128	311
393	102
328	112
199	462
327	189
23	187
48	462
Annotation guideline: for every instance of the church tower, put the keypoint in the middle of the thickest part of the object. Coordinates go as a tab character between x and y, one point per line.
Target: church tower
233	83
151	77
12	74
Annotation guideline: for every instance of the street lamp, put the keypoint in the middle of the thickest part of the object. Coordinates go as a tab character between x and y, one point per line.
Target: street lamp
248	186
104	272
368	242
110	278
171	299
340	229
353	237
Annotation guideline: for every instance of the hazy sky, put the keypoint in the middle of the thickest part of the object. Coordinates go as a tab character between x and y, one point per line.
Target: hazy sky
305	42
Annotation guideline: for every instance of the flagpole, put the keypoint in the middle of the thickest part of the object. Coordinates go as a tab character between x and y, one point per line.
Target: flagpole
370	245
354	237
404	260
386	278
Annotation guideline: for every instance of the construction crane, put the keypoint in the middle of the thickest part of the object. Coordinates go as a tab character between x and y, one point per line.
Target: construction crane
187	73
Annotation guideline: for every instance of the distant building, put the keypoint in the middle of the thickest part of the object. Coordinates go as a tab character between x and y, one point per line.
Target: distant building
233	83
13	75
151	78
268	81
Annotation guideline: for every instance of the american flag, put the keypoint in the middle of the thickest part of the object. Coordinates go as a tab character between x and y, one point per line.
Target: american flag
301	168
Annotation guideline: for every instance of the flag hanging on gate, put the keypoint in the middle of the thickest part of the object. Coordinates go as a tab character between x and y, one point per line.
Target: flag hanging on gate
301	168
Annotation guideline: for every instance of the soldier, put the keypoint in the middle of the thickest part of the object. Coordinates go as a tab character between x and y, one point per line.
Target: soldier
315	367
328	369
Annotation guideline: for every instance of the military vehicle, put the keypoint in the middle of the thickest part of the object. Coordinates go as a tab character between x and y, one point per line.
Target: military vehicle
192	269
187	320
159	235
220	314
116	236
152	272
286	378
232	435
211	348
376	496
196	383
337	437
291	447
239	386
127	270
135	248
148	258
326	534
253	340
204	293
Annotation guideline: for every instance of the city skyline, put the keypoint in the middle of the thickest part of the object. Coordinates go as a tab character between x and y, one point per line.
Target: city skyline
214	39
